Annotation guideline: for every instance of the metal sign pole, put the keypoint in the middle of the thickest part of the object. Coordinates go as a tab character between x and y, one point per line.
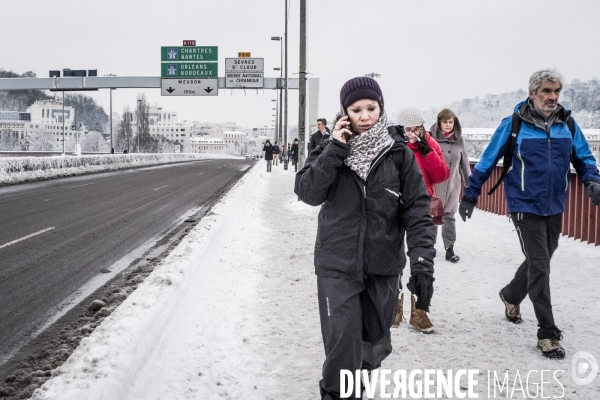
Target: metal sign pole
302	97
112	149
63	117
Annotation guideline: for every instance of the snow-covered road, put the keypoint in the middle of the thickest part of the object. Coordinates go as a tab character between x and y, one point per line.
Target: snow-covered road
232	312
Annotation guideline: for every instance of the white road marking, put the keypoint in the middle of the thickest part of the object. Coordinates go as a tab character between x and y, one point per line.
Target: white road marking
26	237
200	173
158	188
87	184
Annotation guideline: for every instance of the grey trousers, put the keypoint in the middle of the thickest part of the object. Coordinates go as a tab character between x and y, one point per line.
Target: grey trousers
448	230
539	239
356	318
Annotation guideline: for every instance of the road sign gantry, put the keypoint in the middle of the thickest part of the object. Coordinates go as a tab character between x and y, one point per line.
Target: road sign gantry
189	70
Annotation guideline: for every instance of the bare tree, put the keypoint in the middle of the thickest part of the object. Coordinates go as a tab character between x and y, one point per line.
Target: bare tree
9	141
165	145
41	142
94	141
125	131
474	148
146	143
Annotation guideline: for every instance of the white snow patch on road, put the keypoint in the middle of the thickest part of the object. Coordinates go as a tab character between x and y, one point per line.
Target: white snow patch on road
232	312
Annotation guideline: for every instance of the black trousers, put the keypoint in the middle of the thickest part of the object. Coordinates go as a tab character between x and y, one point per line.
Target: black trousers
539	239
356	318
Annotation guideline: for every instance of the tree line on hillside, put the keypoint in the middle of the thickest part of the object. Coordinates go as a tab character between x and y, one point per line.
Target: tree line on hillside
19	100
89	113
583	98
86	108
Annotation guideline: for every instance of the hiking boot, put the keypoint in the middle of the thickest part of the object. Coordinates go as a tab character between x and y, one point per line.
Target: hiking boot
419	318
512	311
450	256
551	348
399	311
362	376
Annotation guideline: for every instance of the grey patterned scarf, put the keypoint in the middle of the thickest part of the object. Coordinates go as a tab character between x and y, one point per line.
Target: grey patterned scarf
366	146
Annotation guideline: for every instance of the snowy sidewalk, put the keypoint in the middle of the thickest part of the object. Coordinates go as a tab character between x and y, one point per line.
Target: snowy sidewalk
232	312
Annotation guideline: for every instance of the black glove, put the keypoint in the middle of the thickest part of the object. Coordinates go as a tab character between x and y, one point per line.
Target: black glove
465	209
593	191
421	285
423	146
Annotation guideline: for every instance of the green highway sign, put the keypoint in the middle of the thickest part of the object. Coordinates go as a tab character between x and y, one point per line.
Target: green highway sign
189	70
189	53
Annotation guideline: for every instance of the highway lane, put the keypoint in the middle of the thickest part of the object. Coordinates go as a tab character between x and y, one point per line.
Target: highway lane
57	236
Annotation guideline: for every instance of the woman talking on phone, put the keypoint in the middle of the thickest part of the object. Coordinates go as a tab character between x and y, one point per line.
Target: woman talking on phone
371	192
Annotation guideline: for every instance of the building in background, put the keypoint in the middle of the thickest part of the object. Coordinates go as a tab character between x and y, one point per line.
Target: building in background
260	132
211	128
167	125
42	123
207	144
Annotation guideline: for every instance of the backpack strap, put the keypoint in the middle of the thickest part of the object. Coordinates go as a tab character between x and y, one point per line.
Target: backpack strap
571	124
508	154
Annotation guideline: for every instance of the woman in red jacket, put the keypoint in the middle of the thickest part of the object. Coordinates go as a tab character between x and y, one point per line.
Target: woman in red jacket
427	151
433	167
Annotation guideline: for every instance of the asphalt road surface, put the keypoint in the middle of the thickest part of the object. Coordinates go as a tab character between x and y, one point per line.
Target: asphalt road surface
62	237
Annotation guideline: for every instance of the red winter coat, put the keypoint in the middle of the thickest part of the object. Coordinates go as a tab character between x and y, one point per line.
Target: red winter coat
433	167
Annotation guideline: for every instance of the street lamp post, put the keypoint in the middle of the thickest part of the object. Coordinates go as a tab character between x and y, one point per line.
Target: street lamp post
285	115
112	149
279	102
139	125
128	122
276	114
302	91
63	118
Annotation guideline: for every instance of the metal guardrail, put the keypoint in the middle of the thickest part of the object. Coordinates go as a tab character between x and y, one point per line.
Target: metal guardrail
581	219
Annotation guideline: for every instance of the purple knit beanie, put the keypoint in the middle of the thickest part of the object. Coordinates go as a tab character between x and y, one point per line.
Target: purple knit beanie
360	88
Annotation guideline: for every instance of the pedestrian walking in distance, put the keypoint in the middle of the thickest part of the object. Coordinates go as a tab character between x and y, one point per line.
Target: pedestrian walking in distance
268	149
537	142
276	154
371	192
321	134
294	154
448	133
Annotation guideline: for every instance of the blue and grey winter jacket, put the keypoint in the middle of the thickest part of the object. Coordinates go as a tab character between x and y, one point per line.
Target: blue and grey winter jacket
538	179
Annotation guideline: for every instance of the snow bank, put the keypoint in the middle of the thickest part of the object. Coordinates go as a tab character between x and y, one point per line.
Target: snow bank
232	312
25	169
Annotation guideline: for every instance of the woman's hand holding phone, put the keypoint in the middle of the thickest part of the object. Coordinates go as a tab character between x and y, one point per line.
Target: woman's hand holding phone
342	131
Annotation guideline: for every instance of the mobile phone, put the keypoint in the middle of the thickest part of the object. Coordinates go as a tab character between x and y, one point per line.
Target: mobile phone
343	114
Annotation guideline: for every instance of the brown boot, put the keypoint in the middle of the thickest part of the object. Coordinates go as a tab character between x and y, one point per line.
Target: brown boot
551	348
419	318
399	311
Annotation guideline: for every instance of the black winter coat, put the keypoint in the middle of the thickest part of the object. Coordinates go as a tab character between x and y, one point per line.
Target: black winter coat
268	152
294	152
315	139
362	223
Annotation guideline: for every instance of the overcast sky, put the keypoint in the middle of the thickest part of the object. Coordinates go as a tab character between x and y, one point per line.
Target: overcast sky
428	52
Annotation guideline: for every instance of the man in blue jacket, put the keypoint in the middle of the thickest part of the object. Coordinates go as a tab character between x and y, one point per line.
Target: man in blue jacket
536	190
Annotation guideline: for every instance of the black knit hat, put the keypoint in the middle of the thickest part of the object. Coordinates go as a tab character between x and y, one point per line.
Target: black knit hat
359	88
